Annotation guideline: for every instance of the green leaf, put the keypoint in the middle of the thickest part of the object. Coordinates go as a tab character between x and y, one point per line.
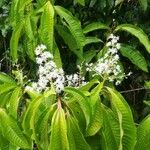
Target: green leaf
125	118
5	87
58	138
75	136
134	56
4	99
143	135
110	133
12	132
57	57
30	115
14	102
73	25
88	56
81	2
82	100
15	41
96	120
144	4
42	125
69	40
117	2
30	39
95	26
47	26
137	32
89	85
90	40
6	79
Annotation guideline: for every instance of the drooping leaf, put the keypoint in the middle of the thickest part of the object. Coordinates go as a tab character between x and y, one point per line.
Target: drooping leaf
75	136
12	132
47	26
6	79
134	56
42	126
143	134
73	25
81	2
144	4
89	55
4	99
69	40
82	100
14	102
15	41
57	57
96	120
110	133
5	87
58	138
126	123
117	2
30	39
97	117
90	40
30	115
137	32
95	26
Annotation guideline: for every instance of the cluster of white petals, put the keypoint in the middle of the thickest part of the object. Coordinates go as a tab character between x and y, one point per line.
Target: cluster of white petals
108	66
49	74
75	80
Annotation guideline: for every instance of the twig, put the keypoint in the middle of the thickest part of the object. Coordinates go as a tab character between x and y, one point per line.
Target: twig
138	89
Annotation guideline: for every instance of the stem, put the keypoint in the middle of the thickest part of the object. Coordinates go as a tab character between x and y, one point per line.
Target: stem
59	103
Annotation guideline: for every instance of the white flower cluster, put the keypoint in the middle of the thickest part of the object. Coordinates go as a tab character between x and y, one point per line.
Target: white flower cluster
75	80
108	66
49	74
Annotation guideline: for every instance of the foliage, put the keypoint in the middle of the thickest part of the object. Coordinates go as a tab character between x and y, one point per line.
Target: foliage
89	116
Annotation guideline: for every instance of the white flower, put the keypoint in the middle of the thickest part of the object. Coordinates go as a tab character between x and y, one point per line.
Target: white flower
108	65
28	88
39	60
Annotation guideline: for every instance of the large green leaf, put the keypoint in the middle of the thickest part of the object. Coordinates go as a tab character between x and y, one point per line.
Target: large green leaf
144	4
96	120
57	57
94	26
30	114
58	138
69	40
5	87
6	79
73	25
137	32
4	99
75	136
125	118
81	2
134	56
143	135
47	26
30	39
14	102
42	125
97	117
90	40
15	41
82	100
110	133
12	132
